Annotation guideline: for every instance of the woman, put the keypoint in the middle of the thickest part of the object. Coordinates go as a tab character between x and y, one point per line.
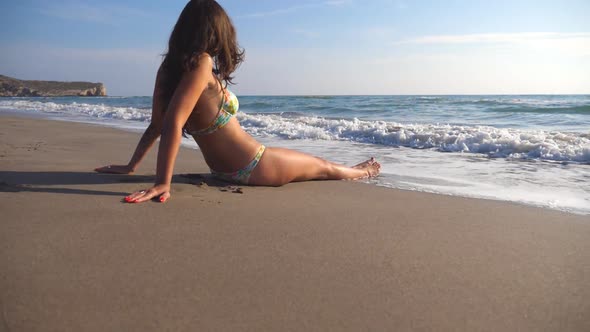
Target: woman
190	96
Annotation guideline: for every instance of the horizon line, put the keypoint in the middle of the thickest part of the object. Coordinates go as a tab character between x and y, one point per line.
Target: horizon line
377	95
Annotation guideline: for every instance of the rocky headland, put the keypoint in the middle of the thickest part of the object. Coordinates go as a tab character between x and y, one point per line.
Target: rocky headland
12	87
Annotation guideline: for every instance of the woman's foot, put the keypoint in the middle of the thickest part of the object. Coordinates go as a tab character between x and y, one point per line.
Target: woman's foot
371	167
365	163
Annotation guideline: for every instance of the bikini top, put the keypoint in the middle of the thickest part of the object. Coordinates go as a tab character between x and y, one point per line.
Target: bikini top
227	109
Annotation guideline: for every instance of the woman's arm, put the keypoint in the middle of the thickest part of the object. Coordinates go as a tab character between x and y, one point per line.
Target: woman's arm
186	95
148	138
145	143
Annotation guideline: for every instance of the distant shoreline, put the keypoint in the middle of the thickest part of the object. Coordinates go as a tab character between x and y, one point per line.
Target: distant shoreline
12	87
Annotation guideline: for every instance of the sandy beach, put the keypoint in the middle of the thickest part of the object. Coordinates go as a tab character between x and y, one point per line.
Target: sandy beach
316	256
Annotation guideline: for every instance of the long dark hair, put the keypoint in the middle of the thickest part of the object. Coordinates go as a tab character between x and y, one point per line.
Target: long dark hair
203	27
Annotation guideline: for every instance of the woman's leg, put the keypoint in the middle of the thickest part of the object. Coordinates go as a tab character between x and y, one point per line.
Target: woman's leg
280	166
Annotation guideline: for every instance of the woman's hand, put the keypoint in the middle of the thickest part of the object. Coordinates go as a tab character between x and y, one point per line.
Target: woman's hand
115	169
162	191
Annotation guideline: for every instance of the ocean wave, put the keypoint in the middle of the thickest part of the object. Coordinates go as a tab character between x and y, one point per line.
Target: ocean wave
256	104
524	106
319	97
491	141
585	109
93	110
429	98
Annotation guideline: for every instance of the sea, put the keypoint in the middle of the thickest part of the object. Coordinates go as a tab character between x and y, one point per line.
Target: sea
528	149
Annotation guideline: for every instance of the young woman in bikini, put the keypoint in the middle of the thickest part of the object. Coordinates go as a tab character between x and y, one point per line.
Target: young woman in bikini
191	96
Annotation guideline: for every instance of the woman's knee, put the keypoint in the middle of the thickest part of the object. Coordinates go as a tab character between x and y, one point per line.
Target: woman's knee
289	166
327	169
318	170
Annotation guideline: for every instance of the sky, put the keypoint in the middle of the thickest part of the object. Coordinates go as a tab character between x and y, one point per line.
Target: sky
315	47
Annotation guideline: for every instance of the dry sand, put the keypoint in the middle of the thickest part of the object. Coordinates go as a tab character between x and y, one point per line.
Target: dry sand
316	256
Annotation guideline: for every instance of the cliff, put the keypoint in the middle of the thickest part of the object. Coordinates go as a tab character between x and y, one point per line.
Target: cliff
12	87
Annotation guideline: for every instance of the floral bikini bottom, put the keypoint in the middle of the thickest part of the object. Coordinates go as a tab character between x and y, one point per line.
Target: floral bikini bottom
241	176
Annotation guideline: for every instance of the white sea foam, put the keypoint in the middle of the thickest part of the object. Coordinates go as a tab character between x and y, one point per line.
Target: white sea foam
494	142
491	141
95	111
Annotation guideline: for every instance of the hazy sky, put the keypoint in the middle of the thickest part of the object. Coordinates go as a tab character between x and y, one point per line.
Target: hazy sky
315	47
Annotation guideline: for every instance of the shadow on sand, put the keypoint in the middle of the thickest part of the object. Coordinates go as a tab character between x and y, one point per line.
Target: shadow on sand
51	182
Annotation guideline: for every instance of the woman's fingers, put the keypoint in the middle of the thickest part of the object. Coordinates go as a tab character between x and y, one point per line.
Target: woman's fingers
114	169
106	169
103	169
142	196
136	195
164	197
145	195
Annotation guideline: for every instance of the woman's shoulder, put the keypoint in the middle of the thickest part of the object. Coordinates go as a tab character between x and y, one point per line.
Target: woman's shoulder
203	61
203	69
